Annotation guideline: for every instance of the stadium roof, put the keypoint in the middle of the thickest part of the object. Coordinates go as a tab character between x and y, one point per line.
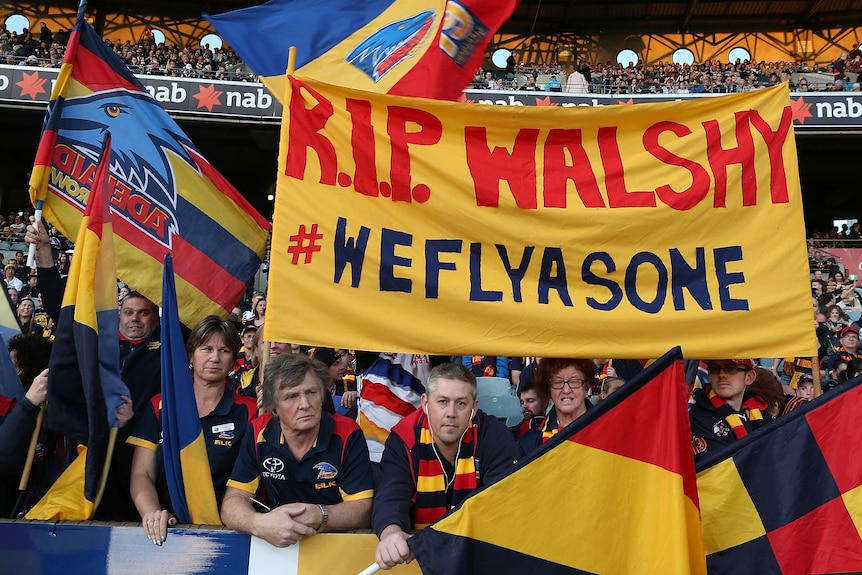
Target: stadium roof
592	17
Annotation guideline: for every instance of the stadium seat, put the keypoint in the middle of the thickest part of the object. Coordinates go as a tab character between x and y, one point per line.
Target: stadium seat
494	386
506	408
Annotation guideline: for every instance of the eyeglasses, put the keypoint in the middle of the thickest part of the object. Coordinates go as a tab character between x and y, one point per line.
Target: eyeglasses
732	369
573	383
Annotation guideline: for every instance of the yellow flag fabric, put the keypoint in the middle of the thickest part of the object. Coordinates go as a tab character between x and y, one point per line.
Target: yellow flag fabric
414	225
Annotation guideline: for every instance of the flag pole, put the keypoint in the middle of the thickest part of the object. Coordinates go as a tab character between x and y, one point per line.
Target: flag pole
291	60
370	570
28	463
815	373
103	479
31	451
37	221
291	68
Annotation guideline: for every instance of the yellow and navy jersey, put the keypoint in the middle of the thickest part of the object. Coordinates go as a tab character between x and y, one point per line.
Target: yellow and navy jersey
223	431
335	469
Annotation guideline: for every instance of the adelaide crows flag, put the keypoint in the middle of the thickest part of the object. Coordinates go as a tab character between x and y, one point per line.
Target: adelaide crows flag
788	498
164	194
614	492
422	48
185	453
84	385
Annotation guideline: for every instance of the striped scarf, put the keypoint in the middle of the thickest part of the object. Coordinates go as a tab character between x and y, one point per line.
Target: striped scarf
550	426
436	491
752	407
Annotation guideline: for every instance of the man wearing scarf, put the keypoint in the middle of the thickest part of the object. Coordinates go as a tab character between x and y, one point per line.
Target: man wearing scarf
725	410
436	457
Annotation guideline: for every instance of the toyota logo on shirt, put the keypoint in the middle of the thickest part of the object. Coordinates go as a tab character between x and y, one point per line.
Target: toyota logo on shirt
273	466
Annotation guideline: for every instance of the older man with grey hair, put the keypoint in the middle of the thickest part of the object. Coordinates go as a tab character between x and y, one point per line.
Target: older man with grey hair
309	467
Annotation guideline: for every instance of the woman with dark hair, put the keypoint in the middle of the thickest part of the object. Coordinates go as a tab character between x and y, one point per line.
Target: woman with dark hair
259	312
212	349
567	382
63	264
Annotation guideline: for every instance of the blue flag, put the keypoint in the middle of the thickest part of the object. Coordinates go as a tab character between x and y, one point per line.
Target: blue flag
185	454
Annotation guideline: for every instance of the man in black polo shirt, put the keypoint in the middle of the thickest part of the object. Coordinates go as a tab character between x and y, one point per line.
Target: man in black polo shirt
311	468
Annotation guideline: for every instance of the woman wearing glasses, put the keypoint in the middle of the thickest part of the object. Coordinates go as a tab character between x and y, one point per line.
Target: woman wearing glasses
567	381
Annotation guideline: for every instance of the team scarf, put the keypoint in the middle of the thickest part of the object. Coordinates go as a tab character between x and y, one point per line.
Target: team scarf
436	492
550	426
752	407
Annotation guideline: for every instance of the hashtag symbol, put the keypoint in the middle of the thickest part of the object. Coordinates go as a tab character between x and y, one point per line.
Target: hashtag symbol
304	243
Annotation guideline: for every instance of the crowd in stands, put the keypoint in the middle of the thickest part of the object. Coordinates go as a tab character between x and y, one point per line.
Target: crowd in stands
711	76
46	50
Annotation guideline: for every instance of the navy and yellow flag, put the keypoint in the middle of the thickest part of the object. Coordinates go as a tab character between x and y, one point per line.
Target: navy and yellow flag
183	447
614	492
166	196
788	498
424	48
84	385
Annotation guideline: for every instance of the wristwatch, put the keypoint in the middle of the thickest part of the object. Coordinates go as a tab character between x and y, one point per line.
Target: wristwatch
324	511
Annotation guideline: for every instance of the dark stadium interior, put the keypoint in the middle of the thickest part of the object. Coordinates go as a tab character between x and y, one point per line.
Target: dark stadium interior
589	16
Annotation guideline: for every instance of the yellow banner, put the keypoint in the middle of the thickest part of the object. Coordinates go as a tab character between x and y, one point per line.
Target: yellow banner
410	225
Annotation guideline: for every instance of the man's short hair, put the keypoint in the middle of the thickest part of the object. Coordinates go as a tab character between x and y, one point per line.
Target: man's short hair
139	295
454	371
210	325
290	370
33	352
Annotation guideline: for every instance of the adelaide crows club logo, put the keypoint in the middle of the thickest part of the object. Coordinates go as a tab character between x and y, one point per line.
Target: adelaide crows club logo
326	470
143	162
392	44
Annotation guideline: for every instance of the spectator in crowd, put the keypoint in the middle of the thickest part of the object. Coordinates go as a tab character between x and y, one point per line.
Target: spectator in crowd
533	406
520	365
487	365
553	85
64	263
836	318
212	347
804	392
259	312
577	83
338	394
31	288
610	385
725	410
29	354
324	480
248	382
13	296
849	350
26	314
767	386
430	462
567	382
10	279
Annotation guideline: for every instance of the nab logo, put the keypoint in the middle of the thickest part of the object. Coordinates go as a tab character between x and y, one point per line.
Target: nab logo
393	43
326	470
